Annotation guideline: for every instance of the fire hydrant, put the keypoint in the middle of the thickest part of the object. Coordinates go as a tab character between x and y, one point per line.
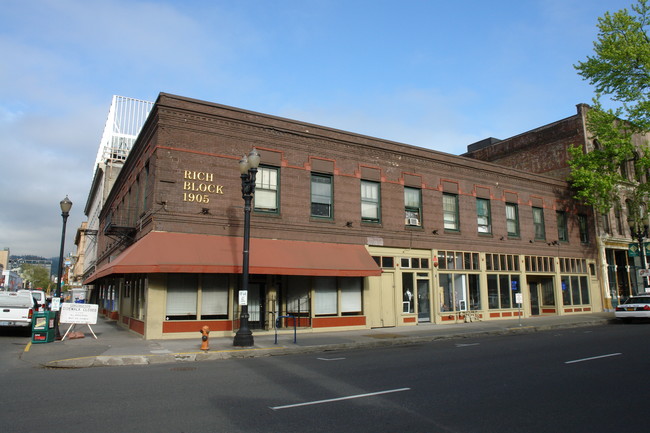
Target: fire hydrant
205	344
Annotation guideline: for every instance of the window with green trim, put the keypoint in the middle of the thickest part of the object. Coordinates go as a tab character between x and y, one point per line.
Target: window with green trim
584	228
412	206
512	219
538	223
370	201
266	198
483	215
321	196
562	227
450	211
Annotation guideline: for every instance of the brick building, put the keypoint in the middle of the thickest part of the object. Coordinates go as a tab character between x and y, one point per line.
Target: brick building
347	231
544	150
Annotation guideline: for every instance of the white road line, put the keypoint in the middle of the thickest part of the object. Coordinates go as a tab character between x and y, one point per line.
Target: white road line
350	397
592	358
330	359
466	344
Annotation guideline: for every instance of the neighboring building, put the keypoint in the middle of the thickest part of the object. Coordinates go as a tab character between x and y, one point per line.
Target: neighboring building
347	231
78	260
544	150
10	281
15	262
4	258
125	119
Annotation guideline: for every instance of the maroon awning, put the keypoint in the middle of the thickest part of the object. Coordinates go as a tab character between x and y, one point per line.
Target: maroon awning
162	252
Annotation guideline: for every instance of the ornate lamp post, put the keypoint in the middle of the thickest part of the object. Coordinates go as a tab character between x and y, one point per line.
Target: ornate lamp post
66	205
248	169
639	231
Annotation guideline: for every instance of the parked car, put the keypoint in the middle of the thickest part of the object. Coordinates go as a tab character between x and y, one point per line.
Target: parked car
635	307
39	297
16	309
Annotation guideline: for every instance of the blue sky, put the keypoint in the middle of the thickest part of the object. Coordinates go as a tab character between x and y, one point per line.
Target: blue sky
436	74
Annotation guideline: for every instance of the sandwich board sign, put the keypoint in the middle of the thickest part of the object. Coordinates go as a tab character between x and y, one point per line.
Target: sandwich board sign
79	314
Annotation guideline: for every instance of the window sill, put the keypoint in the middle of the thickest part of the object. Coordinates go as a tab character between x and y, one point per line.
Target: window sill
321	220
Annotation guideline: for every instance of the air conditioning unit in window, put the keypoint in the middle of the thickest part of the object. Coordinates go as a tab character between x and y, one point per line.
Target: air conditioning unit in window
412	221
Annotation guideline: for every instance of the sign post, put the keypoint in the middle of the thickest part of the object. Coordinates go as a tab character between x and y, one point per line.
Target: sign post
519	299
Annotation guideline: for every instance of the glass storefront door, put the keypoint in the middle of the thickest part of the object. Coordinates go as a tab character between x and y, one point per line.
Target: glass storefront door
424	306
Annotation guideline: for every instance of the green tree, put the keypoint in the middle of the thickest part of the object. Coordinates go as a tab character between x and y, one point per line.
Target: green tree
38	276
620	68
620	71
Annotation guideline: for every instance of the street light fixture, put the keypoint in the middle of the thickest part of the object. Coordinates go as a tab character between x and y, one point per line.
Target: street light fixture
248	169
638	232
66	205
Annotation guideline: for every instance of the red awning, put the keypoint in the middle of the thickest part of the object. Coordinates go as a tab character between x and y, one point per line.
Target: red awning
162	252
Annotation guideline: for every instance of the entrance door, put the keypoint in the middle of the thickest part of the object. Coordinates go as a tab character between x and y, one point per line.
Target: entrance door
533	288
424	306
256	305
383	305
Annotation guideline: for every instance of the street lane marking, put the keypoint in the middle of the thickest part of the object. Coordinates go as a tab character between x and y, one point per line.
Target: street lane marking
592	358
466	344
350	397
29	346
330	359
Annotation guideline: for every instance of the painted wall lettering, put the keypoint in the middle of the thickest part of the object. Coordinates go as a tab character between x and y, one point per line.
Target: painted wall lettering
198	186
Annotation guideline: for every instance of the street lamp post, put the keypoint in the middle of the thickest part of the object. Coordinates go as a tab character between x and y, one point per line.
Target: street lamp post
66	205
248	169
638	232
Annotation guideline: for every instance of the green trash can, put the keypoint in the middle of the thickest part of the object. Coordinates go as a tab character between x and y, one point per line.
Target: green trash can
43	327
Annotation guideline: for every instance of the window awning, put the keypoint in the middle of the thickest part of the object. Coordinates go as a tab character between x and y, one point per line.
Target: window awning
163	252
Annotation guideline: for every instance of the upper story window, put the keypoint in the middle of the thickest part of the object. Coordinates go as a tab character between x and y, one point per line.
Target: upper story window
483	215
584	228
512	219
618	219
266	198
321	196
450	211
370	205
607	229
538	223
562	226
412	206
624	171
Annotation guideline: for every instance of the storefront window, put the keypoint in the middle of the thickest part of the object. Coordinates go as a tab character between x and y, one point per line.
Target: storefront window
351	289
548	292
575	290
328	291
181	297
408	293
502	290
214	296
298	288
460	292
325	299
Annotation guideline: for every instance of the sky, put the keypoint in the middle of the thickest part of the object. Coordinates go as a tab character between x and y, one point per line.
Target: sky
437	74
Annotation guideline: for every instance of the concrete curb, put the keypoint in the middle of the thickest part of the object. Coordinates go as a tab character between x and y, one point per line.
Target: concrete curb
179	358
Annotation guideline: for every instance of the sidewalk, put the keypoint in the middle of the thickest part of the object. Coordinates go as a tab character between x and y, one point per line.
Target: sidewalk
116	346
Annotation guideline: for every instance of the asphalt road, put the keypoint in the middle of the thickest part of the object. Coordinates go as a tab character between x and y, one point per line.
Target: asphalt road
573	380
